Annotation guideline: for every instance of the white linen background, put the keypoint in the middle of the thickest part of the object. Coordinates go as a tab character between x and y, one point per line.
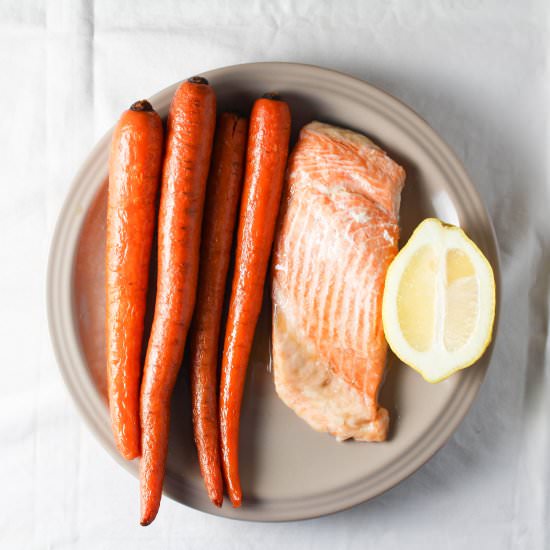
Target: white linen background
477	71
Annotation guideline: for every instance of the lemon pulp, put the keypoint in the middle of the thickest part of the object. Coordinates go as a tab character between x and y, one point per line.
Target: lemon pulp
439	301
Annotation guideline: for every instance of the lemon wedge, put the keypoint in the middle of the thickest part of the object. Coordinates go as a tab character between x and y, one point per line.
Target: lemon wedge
439	301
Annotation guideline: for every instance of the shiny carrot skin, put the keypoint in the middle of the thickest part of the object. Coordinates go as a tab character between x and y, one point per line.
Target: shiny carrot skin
134	174
190	132
223	192
267	152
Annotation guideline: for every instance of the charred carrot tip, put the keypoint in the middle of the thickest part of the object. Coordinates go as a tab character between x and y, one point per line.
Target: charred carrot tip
198	80
272	95
141	105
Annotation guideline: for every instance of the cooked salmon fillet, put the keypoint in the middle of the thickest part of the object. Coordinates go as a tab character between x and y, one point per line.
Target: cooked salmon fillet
337	235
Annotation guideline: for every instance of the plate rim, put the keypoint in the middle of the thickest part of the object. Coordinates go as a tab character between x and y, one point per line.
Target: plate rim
83	400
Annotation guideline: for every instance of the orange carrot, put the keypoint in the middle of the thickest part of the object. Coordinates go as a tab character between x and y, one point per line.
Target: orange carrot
134	173
220	212
267	152
190	132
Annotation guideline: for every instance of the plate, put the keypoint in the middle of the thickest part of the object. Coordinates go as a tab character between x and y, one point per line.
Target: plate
288	471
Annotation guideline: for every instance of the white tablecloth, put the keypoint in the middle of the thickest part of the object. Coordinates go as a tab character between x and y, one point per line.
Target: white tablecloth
479	73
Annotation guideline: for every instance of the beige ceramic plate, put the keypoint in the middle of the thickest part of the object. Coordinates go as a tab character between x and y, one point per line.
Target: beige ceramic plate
288	470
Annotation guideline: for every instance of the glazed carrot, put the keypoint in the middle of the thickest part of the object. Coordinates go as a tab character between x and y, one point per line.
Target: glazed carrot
190	132
220	212
134	173
267	152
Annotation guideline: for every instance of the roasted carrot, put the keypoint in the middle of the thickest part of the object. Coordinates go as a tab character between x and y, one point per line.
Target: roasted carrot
267	152
134	173
190	131
223	192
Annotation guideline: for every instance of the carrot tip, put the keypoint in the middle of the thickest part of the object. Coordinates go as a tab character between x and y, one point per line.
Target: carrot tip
198	80
145	522
147	518
272	95
236	501
141	105
215	498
